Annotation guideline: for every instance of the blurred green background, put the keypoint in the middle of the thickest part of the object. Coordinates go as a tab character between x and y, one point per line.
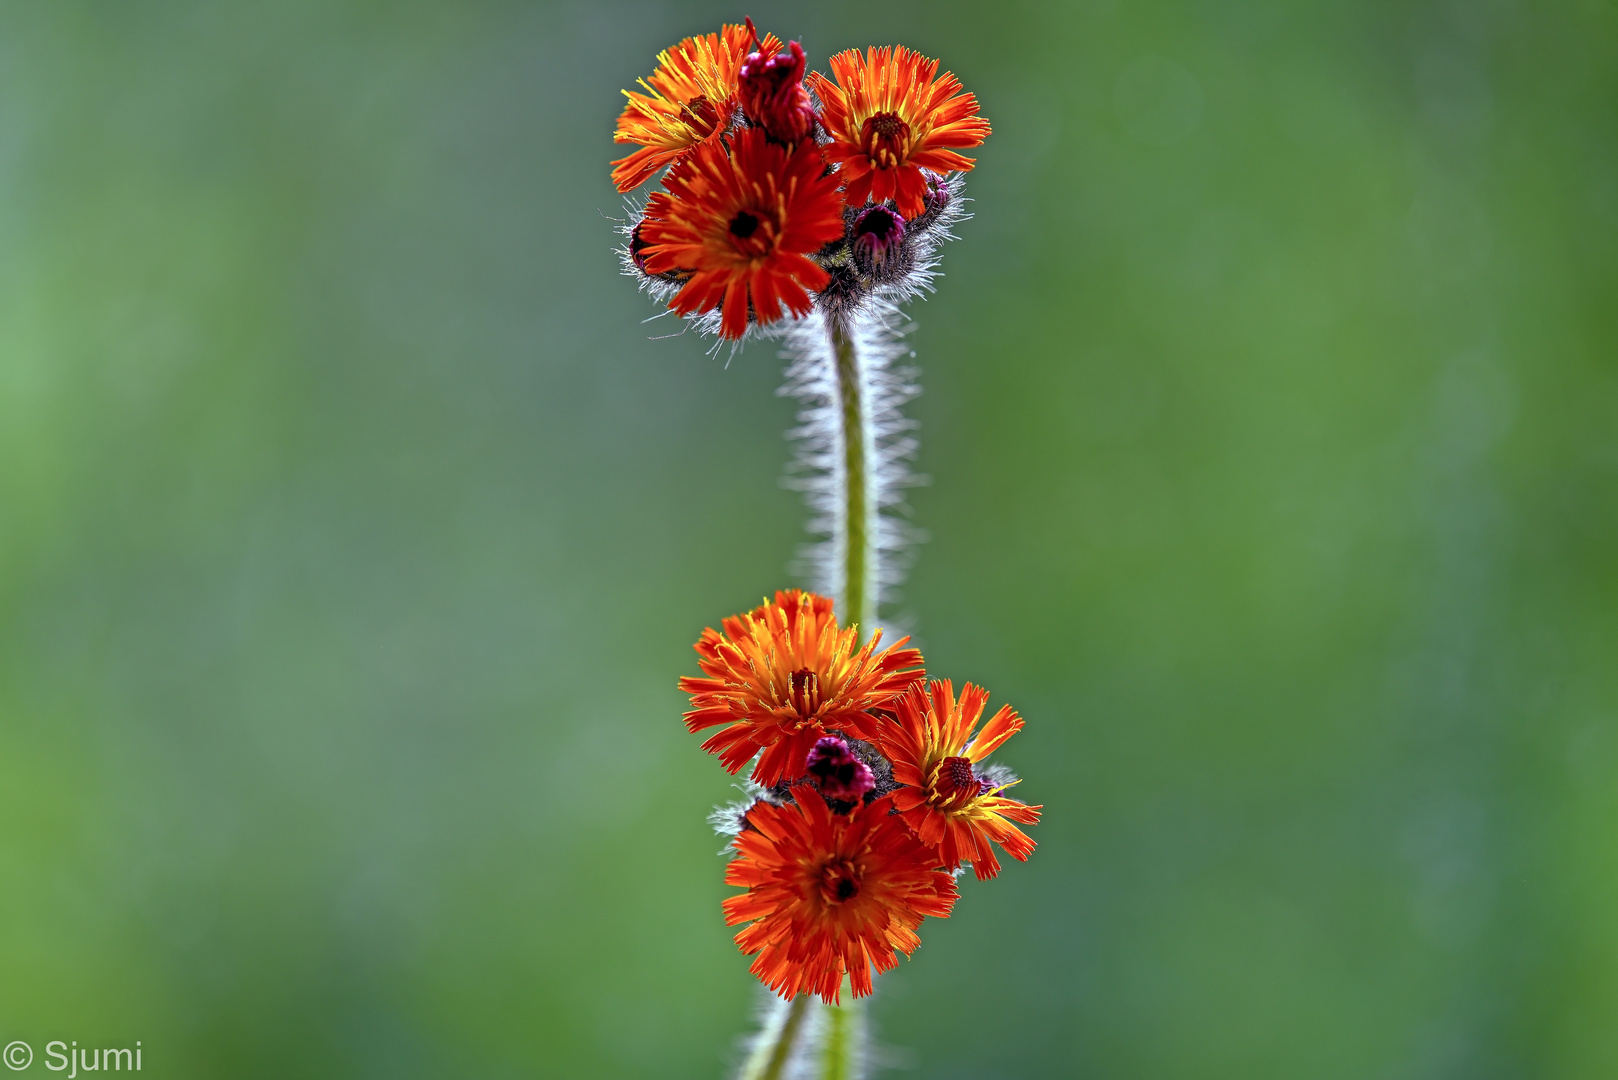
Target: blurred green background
354	531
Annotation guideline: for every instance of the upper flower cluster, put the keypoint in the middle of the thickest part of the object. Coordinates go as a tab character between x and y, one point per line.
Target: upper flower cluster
783	184
872	790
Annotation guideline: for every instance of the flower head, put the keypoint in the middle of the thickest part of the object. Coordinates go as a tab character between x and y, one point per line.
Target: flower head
772	94
783	675
743	224
829	895
947	801
889	118
690	99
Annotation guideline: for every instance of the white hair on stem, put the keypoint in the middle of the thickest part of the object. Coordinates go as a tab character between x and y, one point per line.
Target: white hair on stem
820	468
860	315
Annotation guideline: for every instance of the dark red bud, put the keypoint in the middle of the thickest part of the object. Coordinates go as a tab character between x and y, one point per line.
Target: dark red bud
637	247
878	232
772	94
839	774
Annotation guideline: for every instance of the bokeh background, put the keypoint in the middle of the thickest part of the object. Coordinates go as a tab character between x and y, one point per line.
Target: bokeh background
354	531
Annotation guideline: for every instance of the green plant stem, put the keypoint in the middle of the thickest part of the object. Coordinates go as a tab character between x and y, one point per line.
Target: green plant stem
840	1042
767	1062
856	536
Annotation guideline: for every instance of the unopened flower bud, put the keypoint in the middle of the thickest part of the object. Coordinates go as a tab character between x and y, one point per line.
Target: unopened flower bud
878	232
640	250
637	247
839	774
772	94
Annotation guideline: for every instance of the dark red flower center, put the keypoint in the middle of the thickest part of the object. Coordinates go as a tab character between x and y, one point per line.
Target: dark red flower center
804	686
753	235
701	115
839	882
956	784
886	139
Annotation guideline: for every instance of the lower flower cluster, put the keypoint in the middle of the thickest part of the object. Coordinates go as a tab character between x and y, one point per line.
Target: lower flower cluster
869	791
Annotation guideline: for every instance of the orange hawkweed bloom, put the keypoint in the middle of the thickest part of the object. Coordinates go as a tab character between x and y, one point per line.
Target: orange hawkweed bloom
890	118
690	99
829	895
742	224
948	803
782	675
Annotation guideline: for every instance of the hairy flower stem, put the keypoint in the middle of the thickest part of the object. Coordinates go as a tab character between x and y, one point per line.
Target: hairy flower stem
853	518
769	1059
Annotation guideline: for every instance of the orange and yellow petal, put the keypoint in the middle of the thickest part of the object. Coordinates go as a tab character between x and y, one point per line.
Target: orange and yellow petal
830	895
779	677
890	115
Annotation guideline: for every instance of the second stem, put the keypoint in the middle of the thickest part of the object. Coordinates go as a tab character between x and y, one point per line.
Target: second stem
859	601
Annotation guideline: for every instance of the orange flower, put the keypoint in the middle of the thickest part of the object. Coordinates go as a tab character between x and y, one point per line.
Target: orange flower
782	675
889	118
829	895
690	99
946	800
742	224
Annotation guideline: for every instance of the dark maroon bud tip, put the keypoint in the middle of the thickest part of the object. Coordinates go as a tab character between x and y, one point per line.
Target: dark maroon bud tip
637	247
772	94
878	232
837	772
